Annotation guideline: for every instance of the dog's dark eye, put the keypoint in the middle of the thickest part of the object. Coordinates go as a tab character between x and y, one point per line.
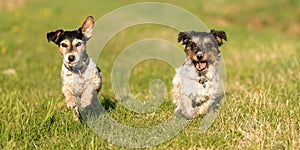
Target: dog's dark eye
208	45
196	48
64	45
78	44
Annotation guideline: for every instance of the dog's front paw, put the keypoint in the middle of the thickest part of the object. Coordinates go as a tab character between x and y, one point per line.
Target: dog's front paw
186	115
71	102
201	110
177	111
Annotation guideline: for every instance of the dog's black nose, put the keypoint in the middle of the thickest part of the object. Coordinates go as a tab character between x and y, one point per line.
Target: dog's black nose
199	57
71	58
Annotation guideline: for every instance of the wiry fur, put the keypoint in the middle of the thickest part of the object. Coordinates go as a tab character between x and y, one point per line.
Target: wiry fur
196	83
80	76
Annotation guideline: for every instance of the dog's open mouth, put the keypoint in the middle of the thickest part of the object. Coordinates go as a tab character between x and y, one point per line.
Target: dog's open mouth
71	64
201	65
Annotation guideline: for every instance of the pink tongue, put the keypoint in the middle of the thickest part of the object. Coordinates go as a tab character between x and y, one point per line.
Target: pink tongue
202	65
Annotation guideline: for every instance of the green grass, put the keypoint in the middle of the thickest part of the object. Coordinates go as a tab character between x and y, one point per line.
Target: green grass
261	109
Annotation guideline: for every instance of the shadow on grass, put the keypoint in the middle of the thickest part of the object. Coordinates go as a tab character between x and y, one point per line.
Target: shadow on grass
108	102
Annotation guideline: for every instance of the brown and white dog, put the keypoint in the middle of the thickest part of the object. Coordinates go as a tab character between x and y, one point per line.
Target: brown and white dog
81	78
196	83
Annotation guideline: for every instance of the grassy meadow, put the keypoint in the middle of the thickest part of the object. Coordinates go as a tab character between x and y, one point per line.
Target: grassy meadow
261	109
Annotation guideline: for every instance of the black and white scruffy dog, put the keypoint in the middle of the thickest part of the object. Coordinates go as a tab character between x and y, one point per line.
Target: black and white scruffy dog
80	76
196	83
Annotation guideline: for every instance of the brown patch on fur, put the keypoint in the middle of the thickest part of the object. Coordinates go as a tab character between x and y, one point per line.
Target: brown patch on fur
219	36
189	52
65	50
70	47
190	49
206	40
74	44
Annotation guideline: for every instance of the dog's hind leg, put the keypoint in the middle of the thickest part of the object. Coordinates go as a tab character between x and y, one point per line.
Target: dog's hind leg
89	103
187	108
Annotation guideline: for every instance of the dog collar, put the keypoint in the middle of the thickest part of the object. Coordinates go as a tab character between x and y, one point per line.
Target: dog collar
80	70
84	66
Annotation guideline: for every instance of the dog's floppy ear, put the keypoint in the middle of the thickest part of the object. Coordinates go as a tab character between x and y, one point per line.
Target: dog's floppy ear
87	28
184	37
219	36
54	36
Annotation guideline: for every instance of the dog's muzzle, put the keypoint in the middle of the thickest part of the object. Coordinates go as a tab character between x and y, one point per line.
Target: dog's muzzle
201	64
71	58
